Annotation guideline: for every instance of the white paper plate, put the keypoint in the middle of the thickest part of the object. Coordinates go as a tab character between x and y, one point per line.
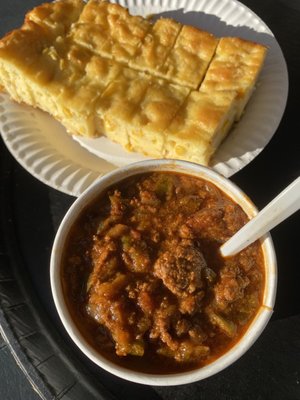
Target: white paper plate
42	146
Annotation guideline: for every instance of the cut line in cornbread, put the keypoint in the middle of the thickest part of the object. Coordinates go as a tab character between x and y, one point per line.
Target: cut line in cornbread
157	44
200	126
81	99
153	115
109	30
188	60
235	66
117	105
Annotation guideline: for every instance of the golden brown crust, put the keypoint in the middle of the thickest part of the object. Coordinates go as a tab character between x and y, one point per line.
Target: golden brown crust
200	126
153	116
116	107
157	44
57	17
98	12
189	58
24	49
116	33
235	66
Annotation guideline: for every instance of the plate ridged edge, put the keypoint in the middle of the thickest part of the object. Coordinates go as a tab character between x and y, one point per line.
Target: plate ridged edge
25	140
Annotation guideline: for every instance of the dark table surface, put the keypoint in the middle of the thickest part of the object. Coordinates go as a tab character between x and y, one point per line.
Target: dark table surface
269	370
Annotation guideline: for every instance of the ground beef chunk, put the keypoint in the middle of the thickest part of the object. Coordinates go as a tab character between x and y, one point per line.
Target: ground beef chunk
230	286
191	303
180	268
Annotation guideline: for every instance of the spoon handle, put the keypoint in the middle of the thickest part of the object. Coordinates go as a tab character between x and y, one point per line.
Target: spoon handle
284	205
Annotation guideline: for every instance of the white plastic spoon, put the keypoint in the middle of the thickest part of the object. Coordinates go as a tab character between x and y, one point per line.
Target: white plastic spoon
284	205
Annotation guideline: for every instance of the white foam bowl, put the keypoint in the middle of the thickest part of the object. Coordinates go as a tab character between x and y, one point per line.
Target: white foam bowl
257	325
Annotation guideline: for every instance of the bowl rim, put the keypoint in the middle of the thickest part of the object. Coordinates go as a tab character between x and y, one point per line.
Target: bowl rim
234	353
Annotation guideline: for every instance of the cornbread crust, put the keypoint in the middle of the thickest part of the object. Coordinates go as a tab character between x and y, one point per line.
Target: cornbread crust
57	17
200	126
235	66
99	12
109	30
153	115
157	44
188	60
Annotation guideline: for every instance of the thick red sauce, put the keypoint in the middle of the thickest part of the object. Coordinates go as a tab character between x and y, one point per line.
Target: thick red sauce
143	278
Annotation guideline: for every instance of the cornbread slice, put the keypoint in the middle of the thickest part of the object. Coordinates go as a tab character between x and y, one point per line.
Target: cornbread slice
153	115
200	126
109	30
57	17
235	66
92	29
26	63
117	105
156	46
188	60
99	12
81	92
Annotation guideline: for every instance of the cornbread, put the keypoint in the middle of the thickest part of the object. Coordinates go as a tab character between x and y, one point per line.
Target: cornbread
56	18
81	98
200	126
188	60
156	46
235	66
109	30
59	78
160	88
116	107
153	116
